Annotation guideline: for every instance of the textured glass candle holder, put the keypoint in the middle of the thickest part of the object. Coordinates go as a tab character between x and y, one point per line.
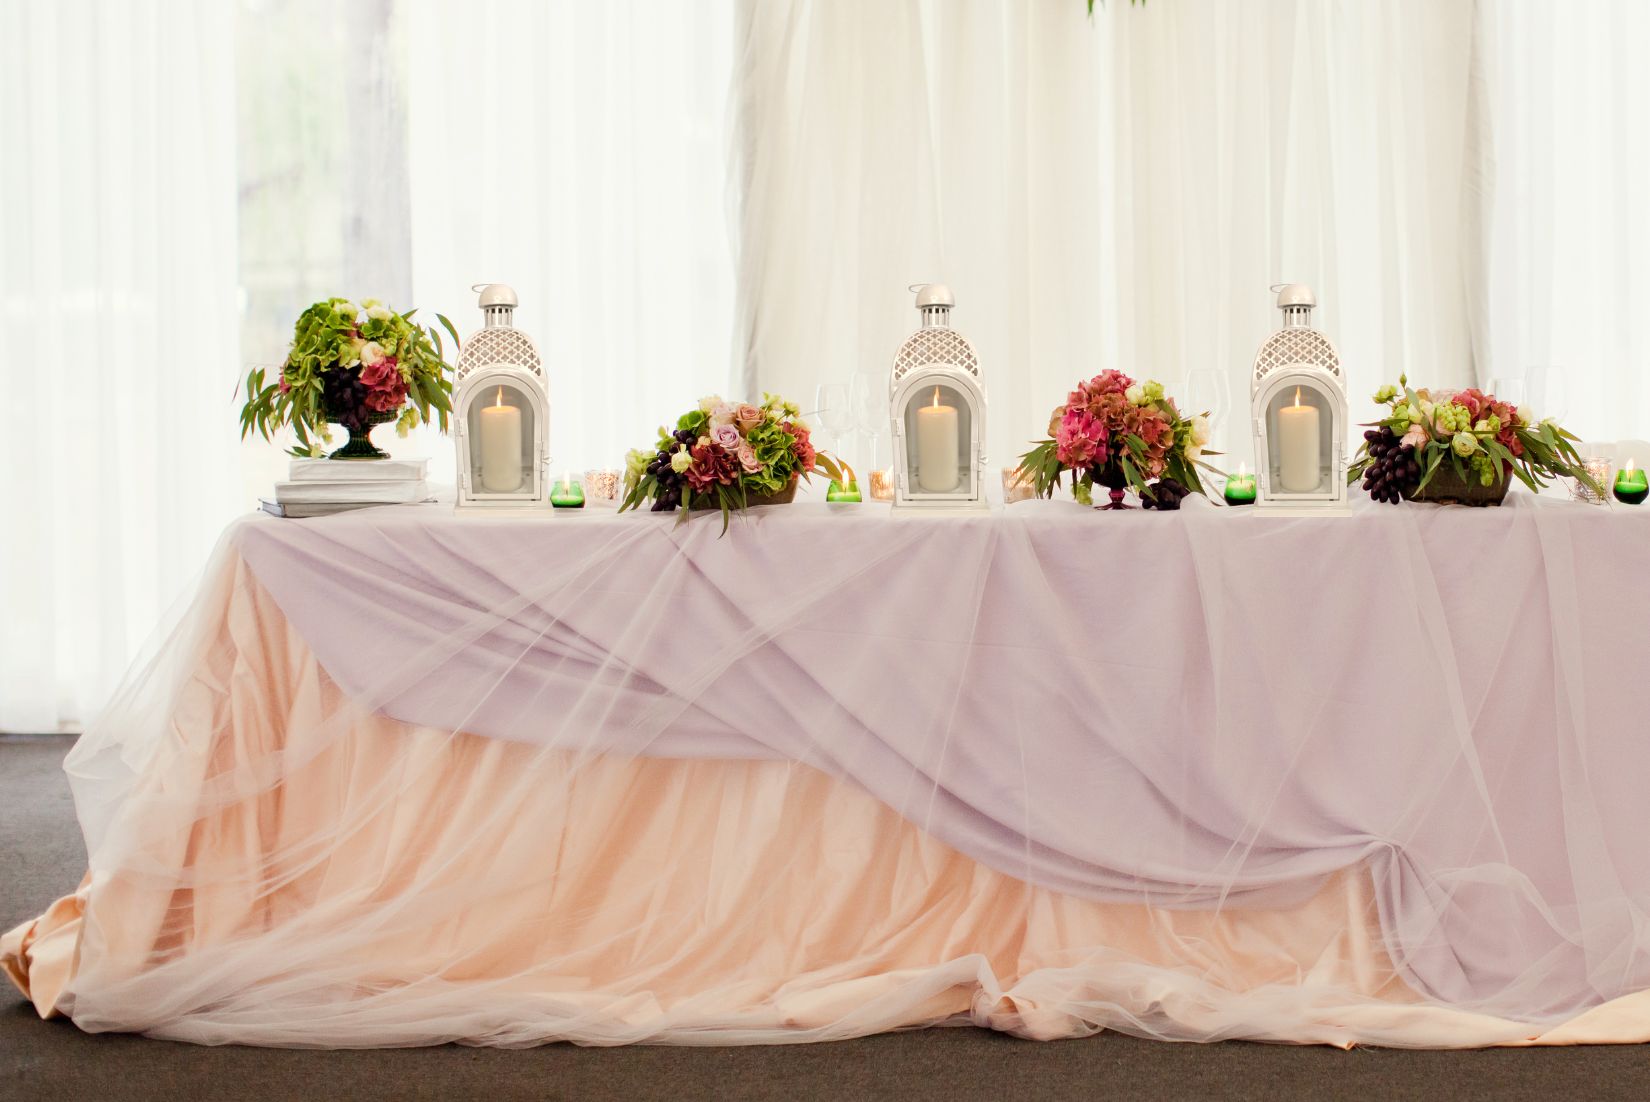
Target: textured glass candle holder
882	485
601	487
1599	468
1017	486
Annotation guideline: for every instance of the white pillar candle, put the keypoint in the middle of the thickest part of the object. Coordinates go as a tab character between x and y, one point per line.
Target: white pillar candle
500	447
937	447
1299	448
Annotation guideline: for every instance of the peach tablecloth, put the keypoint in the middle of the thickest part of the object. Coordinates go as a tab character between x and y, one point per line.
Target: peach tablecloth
645	899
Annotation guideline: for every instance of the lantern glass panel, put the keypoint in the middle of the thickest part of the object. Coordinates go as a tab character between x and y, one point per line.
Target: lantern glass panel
501	430
938	430
1300	424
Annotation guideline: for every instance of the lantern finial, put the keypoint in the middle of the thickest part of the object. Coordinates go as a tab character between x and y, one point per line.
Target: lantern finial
1296	301
498	303
935	301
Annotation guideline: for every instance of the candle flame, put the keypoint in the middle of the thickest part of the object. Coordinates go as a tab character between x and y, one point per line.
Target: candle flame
936	397
1629	467
1243	470
1297	396
498	399
566	481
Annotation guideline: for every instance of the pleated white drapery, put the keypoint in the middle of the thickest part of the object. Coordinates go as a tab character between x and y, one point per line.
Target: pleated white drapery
117	281
732	195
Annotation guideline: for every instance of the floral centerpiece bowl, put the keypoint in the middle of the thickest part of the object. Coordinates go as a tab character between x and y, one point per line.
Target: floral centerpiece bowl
725	456
356	366
1120	434
1459	447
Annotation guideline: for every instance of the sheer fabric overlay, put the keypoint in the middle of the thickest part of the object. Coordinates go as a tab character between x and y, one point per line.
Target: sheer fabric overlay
402	777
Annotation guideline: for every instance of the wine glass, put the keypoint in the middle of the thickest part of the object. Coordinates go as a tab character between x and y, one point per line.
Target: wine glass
1209	390
1509	389
1548	392
835	414
868	399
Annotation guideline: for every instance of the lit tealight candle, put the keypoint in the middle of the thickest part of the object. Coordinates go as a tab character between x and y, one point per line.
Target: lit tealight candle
840	493
1631	485
567	494
1240	488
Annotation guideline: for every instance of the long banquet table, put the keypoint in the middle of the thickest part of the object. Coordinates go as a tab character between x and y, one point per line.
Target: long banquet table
403	777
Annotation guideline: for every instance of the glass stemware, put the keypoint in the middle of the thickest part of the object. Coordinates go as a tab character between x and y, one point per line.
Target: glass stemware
1209	390
868	400
834	413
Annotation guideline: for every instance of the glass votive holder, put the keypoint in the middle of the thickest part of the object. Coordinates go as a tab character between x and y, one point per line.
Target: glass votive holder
1240	489
1599	468
1631	487
843	495
601	486
882	485
1017	486
567	493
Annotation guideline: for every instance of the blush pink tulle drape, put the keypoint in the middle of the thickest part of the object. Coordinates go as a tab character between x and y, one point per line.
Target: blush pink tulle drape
306	829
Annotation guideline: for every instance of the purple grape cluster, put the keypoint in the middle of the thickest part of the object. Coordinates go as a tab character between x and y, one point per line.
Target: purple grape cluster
1393	470
671	486
344	398
1166	494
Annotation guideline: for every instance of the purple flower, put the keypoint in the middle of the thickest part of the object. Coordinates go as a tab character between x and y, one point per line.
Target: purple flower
727	437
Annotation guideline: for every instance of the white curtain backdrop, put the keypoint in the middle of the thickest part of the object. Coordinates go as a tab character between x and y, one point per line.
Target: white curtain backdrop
1568	274
576	151
117	278
1115	192
733	195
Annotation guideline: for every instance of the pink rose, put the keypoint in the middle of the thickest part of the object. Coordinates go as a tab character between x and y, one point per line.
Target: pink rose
727	437
747	458
380	372
747	416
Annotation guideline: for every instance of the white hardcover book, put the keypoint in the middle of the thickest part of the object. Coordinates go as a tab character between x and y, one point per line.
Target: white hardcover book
383	493
358	470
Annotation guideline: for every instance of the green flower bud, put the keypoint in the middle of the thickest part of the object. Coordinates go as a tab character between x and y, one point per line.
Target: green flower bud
1464	443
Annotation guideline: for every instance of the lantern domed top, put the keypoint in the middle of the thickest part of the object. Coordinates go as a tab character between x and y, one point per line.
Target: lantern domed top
933	294
1297	342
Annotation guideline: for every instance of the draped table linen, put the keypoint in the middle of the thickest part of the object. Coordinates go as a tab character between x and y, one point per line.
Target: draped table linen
596	777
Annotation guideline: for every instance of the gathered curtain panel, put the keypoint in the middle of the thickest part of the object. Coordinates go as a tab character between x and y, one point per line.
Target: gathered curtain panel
733	196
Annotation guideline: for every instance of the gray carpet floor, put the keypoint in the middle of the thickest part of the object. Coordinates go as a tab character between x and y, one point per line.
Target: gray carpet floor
41	857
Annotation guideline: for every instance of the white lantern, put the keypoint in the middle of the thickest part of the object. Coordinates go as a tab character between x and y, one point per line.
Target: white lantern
502	411
1299	415
938	406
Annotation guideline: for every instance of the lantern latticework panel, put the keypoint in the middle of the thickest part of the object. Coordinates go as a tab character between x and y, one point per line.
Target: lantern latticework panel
936	346
499	346
1288	347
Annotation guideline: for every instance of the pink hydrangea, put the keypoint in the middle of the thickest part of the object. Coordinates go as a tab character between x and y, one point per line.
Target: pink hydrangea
1081	441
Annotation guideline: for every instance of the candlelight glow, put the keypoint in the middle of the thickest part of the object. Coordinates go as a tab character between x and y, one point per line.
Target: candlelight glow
1243	469
566	481
936	397
498	399
1629	468
1297	396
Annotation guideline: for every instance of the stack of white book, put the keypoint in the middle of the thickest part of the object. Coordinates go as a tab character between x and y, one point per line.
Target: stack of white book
316	487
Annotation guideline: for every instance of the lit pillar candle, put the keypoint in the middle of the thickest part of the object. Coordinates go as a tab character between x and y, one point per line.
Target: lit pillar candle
937	447
500	447
1299	447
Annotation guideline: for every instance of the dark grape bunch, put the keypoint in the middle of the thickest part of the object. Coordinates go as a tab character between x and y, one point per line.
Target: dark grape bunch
344	397
1393	470
671	486
1166	494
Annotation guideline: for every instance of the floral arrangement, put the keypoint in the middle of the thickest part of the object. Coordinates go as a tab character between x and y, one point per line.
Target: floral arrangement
724	455
356	365
1474	435
1120	434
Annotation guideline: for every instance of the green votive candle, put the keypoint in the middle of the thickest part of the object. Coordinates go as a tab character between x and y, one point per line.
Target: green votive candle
838	492
1632	487
567	494
1240	489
